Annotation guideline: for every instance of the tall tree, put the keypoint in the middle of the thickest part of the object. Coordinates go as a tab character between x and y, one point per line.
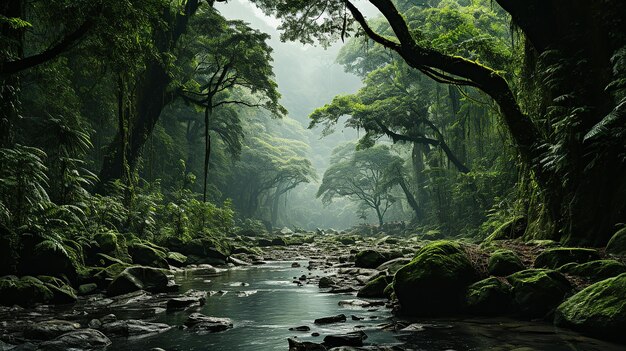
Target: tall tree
360	176
575	174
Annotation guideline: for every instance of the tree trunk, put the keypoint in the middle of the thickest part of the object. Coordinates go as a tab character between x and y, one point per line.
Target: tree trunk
152	96
208	111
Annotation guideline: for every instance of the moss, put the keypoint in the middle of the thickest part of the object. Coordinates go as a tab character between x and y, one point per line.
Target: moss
490	296
388	292
617	244
512	229
176	259
370	259
559	256
147	255
375	287
504	262
538	291
62	292
595	270
25	291
435	280
107	242
598	310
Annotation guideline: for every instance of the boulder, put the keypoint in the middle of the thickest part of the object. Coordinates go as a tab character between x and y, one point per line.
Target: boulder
512	229
191	297
375	287
83	339
200	323
348	339
145	255
87	289
490	296
538	291
47	330
107	242
176	259
133	327
207	248
370	259
48	260
504	262
617	243
62	292
598	310
394	265
25	291
340	318
326	282
139	278
594	270
435	280
556	257
295	345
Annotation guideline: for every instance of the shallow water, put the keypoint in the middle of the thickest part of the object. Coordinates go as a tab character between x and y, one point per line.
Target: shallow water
273	304
263	318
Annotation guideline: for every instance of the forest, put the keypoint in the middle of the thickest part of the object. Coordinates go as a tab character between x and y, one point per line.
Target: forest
312	175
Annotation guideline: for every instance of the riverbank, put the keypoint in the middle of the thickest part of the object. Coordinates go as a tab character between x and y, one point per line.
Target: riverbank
258	296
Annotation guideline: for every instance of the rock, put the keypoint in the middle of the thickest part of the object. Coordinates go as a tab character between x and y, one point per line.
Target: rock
25	291
394	265
375	288
200	323
617	243
340	318
139	278
237	262
556	257
107	242
49	261
176	259
295	265
512	229
86	289
285	231
504	262
347	240
348	339
278	242
62	292
305	346
133	327
302	328
326	282
490	296
213	250
145	255
595	270
370	259
537	291
435	280
191	297
50	329
83	339
598	310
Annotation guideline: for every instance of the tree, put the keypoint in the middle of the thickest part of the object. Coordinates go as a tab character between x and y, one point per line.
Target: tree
229	55
360	176
580	180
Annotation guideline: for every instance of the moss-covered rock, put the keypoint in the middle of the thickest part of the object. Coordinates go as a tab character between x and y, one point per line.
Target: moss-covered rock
598	310
373	258
62	292
538	291
394	265
617	244
107	242
512	229
489	296
375	287
146	255
138	278
49	259
25	291
176	259
206	247
435	281
504	262
595	270
556	257
388	292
